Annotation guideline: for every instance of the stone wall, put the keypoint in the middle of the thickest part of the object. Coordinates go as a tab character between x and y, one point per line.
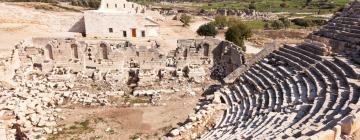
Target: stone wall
223	56
195	59
240	70
339	35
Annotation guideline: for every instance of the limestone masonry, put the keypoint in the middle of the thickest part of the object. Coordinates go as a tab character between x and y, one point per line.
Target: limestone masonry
305	91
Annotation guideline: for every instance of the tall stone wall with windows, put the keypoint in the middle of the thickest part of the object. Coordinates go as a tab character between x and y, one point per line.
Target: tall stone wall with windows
195	59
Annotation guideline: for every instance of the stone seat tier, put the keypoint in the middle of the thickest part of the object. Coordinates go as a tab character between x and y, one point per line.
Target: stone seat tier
339	35
323	69
343	28
290	93
345	22
305	108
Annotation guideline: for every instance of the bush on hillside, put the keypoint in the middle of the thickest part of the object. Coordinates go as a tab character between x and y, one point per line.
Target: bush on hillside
302	22
285	21
220	21
238	34
95	4
207	30
252	5
277	24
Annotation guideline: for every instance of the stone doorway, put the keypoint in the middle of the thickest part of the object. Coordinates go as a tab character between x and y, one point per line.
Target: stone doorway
133	32
74	51
104	51
49	52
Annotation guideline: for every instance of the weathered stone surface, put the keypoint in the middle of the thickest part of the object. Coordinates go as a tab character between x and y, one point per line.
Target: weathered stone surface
350	124
175	132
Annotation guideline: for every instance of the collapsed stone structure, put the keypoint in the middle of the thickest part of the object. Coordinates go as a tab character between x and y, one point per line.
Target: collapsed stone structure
191	58
249	14
50	72
306	91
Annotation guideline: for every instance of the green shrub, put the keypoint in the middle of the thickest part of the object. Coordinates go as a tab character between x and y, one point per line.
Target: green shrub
220	21
237	34
285	21
277	24
252	5
186	19
207	30
284	5
86	3
302	22
308	22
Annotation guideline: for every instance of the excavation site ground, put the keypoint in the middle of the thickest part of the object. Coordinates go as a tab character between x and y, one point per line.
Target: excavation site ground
118	69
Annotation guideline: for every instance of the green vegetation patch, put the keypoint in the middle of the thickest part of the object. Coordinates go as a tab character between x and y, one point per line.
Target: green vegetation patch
326	6
76	129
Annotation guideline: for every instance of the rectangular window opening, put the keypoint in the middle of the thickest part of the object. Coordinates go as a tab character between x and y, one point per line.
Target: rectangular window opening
111	30
143	33
124	33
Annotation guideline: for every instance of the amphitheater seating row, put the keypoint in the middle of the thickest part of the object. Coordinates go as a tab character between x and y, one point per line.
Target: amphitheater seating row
289	94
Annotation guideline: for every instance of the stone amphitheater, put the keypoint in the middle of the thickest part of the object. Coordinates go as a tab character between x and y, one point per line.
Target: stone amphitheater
306	91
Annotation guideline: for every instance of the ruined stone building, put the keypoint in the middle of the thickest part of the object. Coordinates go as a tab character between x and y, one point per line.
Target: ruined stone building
192	58
120	19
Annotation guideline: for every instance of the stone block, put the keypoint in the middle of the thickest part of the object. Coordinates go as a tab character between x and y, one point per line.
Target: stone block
350	124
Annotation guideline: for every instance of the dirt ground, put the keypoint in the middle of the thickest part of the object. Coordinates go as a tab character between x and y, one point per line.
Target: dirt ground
114	123
288	36
19	21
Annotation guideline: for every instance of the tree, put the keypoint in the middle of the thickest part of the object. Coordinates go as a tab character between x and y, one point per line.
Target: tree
237	34
267	26
252	5
302	22
277	24
220	21
308	2
184	18
232	21
207	30
284	5
285	21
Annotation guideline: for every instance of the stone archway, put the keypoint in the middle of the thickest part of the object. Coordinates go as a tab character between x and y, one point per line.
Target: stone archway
48	52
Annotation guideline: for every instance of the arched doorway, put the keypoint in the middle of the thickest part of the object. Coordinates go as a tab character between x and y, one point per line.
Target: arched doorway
74	51
49	52
104	51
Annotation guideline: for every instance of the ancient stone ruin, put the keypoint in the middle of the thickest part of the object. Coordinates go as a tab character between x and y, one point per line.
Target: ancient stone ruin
306	91
49	72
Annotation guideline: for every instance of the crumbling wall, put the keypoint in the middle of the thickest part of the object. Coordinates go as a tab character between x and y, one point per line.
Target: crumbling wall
193	59
230	78
222	57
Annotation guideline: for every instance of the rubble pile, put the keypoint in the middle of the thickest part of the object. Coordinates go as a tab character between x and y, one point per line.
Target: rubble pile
200	121
248	14
33	104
